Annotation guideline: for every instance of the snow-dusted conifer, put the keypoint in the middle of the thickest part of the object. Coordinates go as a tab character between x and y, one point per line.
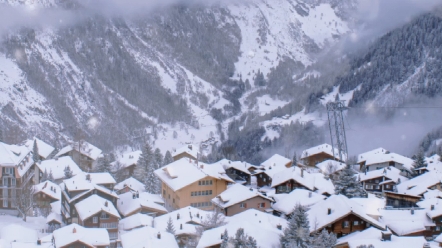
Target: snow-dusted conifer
103	164
295	159
225	242
324	239
158	159
145	170
170	228
419	162
347	184
167	158
50	176
297	234
45	176
240	239
35	155
68	172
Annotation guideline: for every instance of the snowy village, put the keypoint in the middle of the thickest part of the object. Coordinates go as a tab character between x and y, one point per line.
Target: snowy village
79	197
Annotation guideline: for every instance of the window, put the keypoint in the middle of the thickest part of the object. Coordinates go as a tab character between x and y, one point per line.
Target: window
210	182
387	186
243	205
95	220
437	228
199	192
164	192
355	223
13	182
367	225
199	204
199	182
345	224
376	181
113	235
169	196
210	192
173	200
104	216
427	228
261	205
264	180
204	183
368	186
207	192
192	193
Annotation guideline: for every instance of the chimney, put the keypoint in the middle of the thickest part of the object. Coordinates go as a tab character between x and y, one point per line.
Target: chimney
329	211
309	194
105	204
302	172
38	242
202	166
279	227
134	196
190	147
386	235
74	230
181	226
138	194
178	216
197	215
412	211
88	177
398	181
159	235
432	207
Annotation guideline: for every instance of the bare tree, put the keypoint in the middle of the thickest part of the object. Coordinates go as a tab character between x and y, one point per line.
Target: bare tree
212	220
24	199
331	168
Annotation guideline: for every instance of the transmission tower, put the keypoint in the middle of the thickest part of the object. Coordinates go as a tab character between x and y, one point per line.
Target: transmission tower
337	129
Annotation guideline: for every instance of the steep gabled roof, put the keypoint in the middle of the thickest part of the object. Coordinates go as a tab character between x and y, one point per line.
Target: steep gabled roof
190	149
127	204
390	173
128	159
93	205
312	181
147	237
188	218
419	185
304	197
363	156
44	149
58	165
185	171
83	147
49	188
324	148
132	183
75	233
135	221
403	222
340	206
237	193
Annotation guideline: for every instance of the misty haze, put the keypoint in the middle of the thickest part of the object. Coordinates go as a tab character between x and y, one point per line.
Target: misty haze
221	123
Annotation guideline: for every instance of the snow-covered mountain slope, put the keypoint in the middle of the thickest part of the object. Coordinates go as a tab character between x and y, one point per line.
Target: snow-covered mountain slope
169	72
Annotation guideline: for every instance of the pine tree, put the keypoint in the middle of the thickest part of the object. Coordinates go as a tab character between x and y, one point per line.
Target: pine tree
158	159
68	172
170	228
324	239
50	176
240	239
35	155
347	184
295	159
167	158
103	164
251	242
419	162
225	242
144	172
297	234
45	176
1	135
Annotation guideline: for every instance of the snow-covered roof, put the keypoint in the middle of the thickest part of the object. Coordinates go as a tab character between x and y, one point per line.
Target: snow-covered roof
312	181
101	178
372	158
371	204
185	171
298	196
324	148
54	217
83	147
76	233
135	221
420	184
84	181
239	165
128	159
44	149
433	193
390	173
128	205
132	183
276	161
188	218
58	165
236	193
190	149
261	226
363	156
330	166
402	222
79	183
340	206
373	236
93	205
49	188
148	237
12	155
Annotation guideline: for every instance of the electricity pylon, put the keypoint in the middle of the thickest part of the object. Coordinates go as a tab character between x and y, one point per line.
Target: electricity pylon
337	129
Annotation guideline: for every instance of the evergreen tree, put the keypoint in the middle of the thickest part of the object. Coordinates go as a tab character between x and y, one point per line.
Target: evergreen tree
419	162
35	155
158	159
324	239
68	172
297	234
103	164
167	158
50	176
1	135
295	159
347	184
225	242
144	172
259	79
170	228
251	242
45	176
240	239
